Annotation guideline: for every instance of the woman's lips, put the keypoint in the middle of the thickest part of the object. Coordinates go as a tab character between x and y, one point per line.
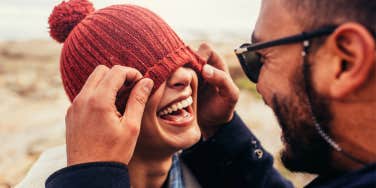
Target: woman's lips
180	113
178	104
180	118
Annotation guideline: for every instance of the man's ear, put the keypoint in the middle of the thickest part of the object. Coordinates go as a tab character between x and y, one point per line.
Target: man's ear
354	46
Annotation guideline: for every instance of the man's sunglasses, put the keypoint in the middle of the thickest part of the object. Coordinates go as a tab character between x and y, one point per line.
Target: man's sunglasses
251	60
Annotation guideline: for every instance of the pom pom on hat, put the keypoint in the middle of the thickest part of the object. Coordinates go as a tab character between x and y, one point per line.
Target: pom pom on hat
66	16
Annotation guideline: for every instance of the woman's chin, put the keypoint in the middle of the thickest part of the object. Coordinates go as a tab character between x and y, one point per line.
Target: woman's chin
183	138
174	132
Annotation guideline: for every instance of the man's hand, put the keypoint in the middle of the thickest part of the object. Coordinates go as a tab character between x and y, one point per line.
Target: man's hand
95	130
218	94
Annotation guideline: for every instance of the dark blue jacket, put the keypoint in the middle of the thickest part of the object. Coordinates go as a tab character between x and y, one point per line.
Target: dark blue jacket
232	158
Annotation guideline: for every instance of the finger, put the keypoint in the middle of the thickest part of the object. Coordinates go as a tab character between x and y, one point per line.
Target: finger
134	111
212	58
94	78
222	80
136	103
204	51
114	79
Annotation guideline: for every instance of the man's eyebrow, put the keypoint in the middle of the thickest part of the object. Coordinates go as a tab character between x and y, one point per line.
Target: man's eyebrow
254	38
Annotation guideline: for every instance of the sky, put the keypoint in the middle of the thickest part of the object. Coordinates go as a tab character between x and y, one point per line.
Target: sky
213	19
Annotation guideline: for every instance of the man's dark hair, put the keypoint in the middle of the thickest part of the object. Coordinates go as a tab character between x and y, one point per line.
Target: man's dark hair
316	13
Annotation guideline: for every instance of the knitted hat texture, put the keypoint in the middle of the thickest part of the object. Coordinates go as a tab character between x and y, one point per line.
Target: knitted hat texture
126	35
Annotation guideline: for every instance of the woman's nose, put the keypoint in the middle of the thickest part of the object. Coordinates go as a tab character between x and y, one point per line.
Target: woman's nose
180	79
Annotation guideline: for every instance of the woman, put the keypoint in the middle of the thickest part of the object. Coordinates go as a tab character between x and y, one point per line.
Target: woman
131	36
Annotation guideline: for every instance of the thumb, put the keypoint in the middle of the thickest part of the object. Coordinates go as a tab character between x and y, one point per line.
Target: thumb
220	79
136	105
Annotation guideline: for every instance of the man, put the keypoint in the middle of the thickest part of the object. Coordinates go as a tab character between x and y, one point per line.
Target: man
320	84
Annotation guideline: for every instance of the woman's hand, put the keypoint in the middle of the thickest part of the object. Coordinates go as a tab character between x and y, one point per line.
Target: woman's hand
95	130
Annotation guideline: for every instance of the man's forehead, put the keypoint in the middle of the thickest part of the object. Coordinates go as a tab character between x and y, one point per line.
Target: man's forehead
274	21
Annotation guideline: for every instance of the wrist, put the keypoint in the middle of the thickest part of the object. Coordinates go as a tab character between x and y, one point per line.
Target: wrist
210	129
207	133
79	160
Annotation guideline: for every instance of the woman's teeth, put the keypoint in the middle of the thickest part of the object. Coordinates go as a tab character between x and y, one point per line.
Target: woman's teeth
176	106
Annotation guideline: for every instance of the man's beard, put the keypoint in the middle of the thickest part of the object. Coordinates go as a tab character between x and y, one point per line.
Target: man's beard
305	150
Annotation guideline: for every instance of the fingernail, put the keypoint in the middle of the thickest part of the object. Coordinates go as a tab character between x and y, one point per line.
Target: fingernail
148	85
208	71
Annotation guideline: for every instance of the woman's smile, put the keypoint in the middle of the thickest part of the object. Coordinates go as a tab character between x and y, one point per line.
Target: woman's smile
178	113
169	121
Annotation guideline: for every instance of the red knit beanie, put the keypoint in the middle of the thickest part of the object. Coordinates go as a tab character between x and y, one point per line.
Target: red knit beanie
125	35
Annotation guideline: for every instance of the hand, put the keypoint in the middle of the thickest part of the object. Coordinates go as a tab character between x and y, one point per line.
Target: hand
95	130
218	94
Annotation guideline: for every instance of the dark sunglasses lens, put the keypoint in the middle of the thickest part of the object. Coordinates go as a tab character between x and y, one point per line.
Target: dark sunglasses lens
251	64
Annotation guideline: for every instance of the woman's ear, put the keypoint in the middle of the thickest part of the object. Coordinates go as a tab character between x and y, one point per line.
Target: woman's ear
354	47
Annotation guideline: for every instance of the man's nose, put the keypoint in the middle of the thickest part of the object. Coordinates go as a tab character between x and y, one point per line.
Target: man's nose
180	79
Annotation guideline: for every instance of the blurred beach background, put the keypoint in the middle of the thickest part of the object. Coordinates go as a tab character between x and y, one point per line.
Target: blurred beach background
33	102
